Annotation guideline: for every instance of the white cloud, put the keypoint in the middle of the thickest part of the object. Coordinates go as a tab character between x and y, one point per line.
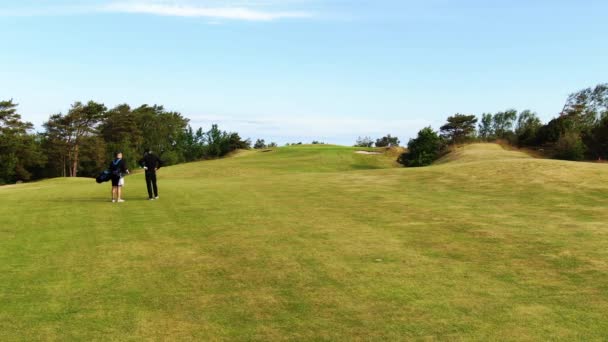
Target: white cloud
184	10
213	10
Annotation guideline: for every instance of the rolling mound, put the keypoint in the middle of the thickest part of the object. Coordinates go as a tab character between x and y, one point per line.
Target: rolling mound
482	153
313	243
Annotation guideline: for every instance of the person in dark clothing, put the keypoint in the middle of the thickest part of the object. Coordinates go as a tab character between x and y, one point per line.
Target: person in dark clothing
118	169
150	162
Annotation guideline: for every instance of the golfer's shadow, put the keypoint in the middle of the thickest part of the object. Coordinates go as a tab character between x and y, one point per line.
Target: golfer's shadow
94	200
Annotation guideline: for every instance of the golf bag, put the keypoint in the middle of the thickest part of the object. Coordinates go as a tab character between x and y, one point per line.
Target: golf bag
103	177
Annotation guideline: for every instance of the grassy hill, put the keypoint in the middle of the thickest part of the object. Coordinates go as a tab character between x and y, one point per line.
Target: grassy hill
313	243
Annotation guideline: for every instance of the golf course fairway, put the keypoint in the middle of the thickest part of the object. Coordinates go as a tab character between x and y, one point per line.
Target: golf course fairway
313	243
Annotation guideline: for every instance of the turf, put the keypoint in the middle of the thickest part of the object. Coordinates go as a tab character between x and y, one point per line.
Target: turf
313	243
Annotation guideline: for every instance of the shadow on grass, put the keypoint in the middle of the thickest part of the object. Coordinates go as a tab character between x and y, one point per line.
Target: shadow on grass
95	200
365	167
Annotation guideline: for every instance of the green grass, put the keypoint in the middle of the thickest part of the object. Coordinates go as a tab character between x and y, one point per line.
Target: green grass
313	243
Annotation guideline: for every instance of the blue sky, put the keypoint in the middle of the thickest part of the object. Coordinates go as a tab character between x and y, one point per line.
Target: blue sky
298	70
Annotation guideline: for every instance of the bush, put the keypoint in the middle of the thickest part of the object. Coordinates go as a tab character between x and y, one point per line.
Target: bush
387	141
236	143
259	144
423	150
570	146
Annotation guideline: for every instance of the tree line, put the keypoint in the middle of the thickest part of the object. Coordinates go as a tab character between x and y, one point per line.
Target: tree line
579	132
82	141
385	141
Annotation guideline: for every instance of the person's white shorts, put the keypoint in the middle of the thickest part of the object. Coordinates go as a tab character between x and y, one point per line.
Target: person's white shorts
121	182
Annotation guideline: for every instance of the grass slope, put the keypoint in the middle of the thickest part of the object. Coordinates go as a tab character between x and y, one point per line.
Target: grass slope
313	243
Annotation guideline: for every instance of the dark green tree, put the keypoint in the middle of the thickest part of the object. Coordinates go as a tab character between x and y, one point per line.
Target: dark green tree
528	125
554	129
259	144
387	141
589	106
94	156
19	150
486	128
218	142
56	144
66	132
503	123
570	146
120	131
364	142
192	144
597	141
237	143
214	143
459	128
161	131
